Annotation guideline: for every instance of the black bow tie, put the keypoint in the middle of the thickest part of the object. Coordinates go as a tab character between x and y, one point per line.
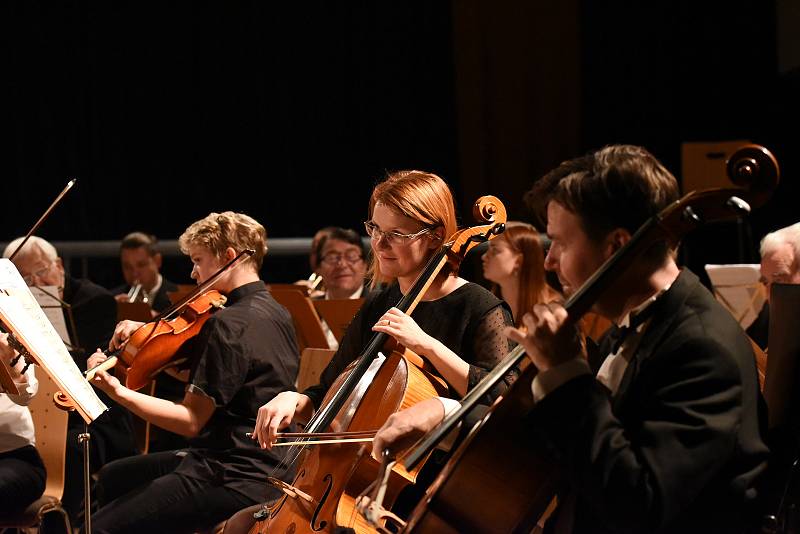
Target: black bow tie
617	334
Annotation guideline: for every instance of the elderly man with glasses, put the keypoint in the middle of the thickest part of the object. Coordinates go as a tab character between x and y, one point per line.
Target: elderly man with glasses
93	317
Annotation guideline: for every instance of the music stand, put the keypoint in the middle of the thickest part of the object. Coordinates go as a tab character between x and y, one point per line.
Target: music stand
59	313
338	313
738	288
134	311
40	343
306	321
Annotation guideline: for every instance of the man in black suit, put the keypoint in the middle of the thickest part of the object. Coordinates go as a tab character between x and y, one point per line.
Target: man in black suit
666	436
141	263
780	264
92	315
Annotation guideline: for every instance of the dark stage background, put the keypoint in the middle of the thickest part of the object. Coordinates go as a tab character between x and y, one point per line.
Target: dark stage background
167	111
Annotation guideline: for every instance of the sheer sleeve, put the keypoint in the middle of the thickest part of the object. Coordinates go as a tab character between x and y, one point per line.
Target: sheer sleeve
490	346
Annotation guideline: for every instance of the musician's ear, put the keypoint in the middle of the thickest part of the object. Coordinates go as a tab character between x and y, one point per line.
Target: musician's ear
615	240
436	238
230	253
158	259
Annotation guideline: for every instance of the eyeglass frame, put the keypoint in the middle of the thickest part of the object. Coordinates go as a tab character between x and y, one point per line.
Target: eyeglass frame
39	273
339	257
393	235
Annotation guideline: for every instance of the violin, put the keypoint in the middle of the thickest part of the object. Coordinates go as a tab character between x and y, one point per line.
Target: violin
323	493
156	345
518	485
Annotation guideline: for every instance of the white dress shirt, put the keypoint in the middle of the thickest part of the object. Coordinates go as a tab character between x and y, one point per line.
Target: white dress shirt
16	424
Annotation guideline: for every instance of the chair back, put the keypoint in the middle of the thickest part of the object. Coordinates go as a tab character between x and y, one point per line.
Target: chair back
312	363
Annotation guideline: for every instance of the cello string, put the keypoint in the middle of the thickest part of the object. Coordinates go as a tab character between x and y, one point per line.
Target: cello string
328	411
321	442
407	303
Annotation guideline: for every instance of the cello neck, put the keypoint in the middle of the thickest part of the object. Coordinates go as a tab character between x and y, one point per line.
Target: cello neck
676	220
407	304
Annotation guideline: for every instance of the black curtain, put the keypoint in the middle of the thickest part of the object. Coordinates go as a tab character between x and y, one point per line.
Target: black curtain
166	111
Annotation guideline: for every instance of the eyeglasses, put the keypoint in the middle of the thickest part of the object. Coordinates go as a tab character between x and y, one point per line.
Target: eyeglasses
29	278
351	257
392	237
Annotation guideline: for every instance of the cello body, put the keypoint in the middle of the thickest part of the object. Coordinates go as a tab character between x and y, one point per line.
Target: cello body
329	479
323	493
517	496
520	490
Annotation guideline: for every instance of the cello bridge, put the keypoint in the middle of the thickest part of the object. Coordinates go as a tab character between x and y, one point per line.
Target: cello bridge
290	490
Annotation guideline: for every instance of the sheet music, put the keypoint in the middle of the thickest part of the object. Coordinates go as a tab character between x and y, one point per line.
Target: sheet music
738	288
52	310
21	313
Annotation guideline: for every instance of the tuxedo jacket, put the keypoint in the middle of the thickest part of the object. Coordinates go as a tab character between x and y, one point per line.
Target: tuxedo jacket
679	447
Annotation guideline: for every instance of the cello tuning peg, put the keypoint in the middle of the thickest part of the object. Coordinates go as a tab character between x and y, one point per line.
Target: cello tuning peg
690	214
738	205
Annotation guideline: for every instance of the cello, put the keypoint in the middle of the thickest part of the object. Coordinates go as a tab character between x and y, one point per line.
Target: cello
321	496
519	486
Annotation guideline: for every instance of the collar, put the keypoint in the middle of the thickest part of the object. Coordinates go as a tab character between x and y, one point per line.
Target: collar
244	290
635	320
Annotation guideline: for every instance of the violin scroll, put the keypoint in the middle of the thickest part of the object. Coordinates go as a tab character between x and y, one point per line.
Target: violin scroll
62	401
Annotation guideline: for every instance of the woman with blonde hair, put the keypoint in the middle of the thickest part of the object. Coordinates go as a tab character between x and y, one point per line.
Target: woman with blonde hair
514	262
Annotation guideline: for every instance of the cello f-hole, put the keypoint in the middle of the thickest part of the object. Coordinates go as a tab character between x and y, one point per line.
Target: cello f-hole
316	528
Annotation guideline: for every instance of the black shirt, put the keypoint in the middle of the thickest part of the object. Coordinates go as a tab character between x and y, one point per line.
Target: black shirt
245	354
469	321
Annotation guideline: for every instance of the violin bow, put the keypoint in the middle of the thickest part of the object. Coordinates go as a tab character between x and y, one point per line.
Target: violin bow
44	216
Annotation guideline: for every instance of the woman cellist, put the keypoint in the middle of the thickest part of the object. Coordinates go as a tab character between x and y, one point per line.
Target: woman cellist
457	326
244	353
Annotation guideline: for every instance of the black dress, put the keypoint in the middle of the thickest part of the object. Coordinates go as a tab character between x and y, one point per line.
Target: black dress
469	321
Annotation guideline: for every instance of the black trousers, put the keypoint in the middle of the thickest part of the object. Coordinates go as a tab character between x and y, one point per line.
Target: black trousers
144	494
22	479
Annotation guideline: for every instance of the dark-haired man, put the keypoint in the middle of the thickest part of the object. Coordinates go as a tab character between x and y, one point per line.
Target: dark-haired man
141	263
665	436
